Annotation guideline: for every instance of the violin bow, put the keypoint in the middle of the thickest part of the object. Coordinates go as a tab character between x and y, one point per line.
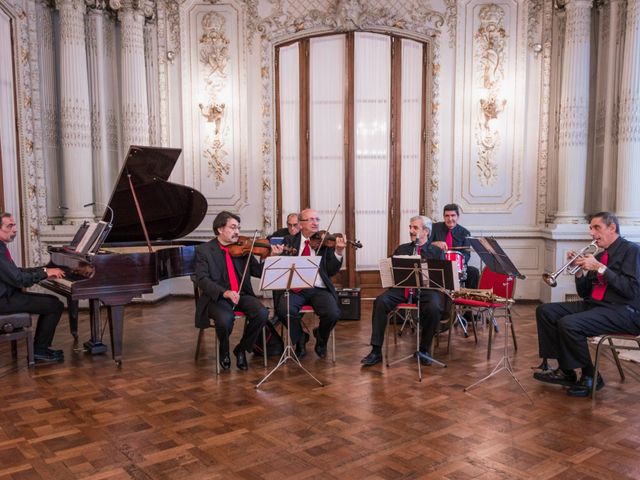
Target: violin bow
246	265
329	227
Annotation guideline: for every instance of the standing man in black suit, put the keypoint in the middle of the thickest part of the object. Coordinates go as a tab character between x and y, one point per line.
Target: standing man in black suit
450	234
431	302
609	284
218	276
323	297
13	300
293	227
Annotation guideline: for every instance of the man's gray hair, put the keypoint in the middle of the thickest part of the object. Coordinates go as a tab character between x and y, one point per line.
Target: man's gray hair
426	221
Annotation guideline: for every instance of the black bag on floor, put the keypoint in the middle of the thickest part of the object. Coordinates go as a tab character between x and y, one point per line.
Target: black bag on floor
275	345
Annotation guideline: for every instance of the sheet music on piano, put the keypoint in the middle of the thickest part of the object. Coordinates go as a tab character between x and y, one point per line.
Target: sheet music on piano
94	235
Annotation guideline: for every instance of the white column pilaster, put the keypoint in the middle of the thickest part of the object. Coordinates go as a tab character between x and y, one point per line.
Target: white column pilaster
101	58
135	111
574	113
627	198
75	120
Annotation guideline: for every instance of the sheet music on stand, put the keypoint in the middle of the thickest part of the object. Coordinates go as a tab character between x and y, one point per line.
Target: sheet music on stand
395	272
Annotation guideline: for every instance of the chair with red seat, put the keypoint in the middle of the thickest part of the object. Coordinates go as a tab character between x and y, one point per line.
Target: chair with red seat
496	303
308	310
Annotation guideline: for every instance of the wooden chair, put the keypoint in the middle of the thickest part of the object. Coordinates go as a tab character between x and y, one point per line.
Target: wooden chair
308	310
15	327
609	339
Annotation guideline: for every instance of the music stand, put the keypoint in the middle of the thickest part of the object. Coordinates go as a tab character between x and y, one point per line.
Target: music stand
287	273
499	262
408	272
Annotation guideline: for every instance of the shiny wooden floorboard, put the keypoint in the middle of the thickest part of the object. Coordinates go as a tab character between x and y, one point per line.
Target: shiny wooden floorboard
162	415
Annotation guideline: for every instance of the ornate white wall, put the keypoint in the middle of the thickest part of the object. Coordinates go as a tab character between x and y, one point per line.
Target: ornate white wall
205	77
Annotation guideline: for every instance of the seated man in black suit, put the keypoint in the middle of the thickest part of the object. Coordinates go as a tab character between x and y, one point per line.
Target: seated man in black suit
13	300
449	235
431	302
323	297
609	284
218	276
293	227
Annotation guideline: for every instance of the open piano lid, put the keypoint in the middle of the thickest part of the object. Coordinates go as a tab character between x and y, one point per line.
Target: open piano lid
169	210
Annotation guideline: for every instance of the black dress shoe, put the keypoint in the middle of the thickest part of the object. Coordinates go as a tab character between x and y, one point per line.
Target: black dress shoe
56	353
557	377
46	357
225	361
584	386
241	358
424	357
321	345
301	349
371	359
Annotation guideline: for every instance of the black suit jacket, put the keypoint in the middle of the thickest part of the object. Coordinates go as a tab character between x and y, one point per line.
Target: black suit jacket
458	233
427	251
622	275
329	264
281	232
212	277
14	278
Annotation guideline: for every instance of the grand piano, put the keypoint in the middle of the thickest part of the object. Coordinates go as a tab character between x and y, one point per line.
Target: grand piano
148	214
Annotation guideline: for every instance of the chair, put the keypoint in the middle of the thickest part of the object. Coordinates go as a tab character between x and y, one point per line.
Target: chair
614	350
15	327
489	305
237	315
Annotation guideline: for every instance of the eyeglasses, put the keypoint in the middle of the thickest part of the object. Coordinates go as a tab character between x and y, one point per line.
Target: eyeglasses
311	219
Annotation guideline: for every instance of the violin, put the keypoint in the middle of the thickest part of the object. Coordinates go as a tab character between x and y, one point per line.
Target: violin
330	240
261	247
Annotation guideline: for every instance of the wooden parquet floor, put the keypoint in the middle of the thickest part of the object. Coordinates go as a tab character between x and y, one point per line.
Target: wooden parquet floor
164	416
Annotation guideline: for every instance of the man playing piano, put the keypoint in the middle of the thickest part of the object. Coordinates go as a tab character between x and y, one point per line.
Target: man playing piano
13	300
219	277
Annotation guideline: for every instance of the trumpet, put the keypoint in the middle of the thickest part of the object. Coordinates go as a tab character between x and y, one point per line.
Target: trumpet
550	278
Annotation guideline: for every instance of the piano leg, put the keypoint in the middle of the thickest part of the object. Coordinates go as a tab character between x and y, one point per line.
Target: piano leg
72	308
116	315
95	346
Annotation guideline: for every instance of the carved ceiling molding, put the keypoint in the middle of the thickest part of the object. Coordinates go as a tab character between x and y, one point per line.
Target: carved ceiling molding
296	19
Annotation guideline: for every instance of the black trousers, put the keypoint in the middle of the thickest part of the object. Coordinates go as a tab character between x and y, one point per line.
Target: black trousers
222	313
563	329
48	307
431	310
324	304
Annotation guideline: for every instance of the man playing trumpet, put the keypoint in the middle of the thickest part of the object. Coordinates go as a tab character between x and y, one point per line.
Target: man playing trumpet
608	284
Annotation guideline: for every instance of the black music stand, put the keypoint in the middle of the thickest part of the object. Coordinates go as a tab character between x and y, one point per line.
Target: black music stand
288	273
408	272
499	262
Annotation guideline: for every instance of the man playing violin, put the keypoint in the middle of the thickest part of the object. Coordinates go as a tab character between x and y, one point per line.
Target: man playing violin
219	276
293	227
322	297
450	235
431	302
609	285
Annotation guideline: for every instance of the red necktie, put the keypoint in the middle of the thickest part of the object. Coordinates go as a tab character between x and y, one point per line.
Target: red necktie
449	240
306	251
408	292
599	288
7	254
231	271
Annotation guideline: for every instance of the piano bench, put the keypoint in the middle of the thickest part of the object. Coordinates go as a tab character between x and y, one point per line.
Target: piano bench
14	327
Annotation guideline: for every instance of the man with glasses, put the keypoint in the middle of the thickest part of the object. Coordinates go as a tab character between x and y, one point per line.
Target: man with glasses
292	227
13	300
322	297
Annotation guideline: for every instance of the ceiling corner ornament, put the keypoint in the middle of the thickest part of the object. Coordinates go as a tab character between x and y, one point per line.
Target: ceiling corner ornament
489	60
214	56
451	16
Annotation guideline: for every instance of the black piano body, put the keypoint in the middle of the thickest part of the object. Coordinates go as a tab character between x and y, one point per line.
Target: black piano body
124	267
